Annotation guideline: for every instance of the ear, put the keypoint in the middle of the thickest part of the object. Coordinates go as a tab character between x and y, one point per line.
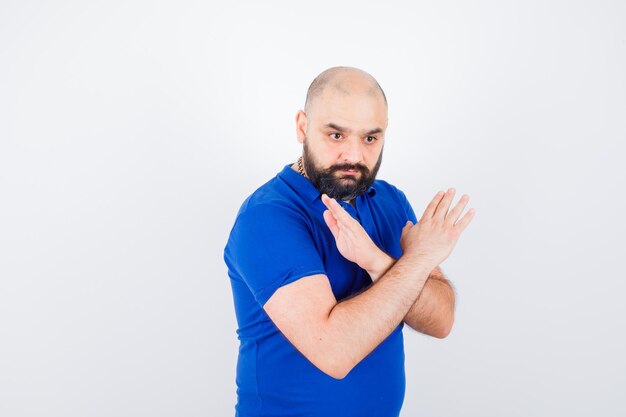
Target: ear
301	122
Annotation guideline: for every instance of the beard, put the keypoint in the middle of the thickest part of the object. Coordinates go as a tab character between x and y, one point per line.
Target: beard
338	186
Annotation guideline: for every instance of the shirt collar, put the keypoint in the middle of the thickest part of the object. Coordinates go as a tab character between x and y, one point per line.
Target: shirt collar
304	187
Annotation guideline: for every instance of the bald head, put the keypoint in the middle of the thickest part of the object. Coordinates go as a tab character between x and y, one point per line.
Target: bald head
343	81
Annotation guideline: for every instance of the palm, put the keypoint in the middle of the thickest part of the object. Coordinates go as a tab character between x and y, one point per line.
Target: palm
351	239
350	245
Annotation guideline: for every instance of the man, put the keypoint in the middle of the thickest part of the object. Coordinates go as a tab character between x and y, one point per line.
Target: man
327	264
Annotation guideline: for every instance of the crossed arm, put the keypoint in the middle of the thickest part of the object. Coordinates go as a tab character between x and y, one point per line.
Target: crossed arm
433	311
335	336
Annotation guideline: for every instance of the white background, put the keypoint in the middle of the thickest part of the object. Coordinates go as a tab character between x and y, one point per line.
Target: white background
131	131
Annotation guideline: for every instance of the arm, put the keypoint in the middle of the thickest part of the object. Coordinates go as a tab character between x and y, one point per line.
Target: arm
433	311
337	336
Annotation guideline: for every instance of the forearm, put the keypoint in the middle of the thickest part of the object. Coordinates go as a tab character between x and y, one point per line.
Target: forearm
359	324
433	311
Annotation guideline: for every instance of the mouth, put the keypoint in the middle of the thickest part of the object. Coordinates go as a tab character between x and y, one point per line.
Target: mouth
349	172
347	178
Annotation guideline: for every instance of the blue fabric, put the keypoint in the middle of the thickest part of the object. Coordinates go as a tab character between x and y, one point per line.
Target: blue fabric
280	236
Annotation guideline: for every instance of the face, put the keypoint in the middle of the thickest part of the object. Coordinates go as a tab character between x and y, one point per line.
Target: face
343	137
342	181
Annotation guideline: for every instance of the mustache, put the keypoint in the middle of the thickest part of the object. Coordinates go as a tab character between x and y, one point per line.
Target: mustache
344	167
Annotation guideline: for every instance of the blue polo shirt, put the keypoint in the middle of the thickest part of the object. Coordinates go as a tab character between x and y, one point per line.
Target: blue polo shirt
280	236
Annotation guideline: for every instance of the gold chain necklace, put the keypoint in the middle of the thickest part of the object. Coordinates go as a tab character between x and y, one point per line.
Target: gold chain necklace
300	169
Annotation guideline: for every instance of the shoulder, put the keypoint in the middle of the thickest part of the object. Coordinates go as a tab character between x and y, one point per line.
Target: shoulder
271	210
271	198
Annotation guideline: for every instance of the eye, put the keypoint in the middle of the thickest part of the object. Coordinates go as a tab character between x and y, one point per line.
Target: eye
370	139
335	136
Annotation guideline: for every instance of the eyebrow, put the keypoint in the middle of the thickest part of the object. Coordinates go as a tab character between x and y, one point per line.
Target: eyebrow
345	129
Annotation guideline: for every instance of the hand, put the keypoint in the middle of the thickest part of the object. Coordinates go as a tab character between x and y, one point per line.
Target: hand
352	240
437	232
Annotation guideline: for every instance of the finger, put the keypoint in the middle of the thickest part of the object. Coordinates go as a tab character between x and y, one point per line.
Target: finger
465	220
444	204
455	213
331	223
341	215
430	209
408	225
334	207
326	201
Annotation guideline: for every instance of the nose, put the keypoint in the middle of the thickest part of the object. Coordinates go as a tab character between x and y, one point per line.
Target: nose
352	153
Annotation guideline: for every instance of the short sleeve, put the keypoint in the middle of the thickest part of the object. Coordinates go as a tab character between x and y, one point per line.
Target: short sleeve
270	246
